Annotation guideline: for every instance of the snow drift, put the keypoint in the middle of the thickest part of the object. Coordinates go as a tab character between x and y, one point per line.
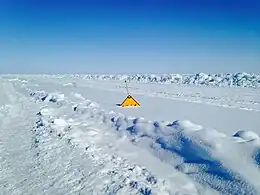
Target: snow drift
209	157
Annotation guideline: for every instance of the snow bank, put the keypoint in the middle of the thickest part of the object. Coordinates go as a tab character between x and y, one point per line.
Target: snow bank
208	156
231	80
85	119
109	173
212	158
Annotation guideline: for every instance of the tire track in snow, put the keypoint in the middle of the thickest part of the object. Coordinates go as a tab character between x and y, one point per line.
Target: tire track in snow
168	108
16	164
235	102
195	98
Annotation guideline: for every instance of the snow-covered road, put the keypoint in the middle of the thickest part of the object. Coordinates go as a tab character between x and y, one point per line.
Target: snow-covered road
57	138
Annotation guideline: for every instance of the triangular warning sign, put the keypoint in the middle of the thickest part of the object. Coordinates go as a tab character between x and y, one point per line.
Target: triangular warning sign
129	101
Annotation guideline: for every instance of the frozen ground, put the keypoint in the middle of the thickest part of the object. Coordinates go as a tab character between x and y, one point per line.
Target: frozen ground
66	135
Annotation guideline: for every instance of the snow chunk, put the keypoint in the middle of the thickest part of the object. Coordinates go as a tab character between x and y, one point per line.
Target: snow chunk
68	84
186	125
93	105
46	111
79	96
121	123
60	122
246	135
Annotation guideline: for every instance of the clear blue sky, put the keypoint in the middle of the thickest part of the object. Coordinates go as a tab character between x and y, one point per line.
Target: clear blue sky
129	36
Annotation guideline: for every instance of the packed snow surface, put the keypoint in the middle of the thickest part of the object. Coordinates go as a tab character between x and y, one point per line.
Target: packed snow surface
66	134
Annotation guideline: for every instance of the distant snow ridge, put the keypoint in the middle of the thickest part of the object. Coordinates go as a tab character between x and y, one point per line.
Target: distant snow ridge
235	80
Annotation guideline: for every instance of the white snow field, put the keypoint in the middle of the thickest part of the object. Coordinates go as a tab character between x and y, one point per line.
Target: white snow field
66	134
